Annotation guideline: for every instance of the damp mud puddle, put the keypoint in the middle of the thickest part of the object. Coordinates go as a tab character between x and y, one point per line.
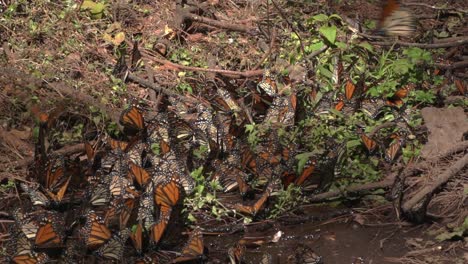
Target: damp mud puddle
330	241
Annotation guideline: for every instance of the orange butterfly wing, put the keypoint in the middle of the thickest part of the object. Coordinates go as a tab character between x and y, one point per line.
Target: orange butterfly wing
167	195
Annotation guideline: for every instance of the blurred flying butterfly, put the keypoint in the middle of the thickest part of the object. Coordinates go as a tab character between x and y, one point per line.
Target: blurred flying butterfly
395	21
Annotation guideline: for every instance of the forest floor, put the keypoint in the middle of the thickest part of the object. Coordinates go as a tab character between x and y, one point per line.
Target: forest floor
354	149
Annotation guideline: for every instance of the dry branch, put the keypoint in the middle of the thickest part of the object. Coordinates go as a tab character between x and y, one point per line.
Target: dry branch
352	189
455	43
431	187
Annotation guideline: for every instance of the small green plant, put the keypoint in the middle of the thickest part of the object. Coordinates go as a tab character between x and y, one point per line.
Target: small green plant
286	200
95	9
252	130
204	196
10	184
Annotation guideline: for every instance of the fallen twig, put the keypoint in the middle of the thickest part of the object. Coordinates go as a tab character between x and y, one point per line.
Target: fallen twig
219	24
459	42
456	65
228	73
432	186
352	189
438	7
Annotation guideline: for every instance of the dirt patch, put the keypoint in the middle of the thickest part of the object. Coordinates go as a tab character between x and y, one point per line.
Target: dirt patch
446	129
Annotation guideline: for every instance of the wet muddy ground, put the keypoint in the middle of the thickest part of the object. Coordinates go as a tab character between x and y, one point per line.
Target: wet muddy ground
339	240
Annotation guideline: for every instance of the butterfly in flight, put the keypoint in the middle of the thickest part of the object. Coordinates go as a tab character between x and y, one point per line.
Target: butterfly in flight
395	20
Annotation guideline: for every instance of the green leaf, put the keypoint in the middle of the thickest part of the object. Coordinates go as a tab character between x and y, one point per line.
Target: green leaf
353	143
325	72
314	46
366	46
302	160
87	4
320	18
329	33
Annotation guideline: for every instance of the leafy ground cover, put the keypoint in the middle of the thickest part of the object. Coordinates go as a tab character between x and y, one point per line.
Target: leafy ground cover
141	119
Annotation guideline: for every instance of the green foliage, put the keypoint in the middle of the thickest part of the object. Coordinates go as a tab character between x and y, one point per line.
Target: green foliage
457	233
95	9
10	184
204	197
252	130
286	200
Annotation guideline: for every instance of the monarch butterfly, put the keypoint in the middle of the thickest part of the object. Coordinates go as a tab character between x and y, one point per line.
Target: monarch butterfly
350	87
167	194
137	237
116	144
308	170
31	258
460	86
115	247
100	195
141	176
193	249
121	186
95	232
23	253
29	228
132	119
158	228
121	208
397	98
395	21
394	148
227	100
49	233
369	143
90	152
136	153
339	106
53	177
37	197
236	253
61	193
268	83
255	208
244	188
